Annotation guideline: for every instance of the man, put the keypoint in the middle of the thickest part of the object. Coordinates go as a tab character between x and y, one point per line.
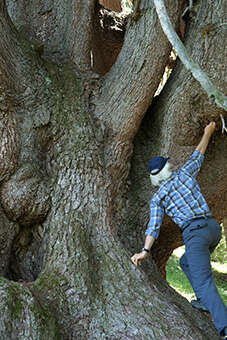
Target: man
179	196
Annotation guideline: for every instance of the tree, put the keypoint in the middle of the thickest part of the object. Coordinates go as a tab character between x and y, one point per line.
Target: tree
75	143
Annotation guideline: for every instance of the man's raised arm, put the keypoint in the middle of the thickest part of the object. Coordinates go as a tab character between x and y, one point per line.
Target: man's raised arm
208	131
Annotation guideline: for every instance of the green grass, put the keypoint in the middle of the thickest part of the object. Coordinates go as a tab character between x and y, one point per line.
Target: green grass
177	279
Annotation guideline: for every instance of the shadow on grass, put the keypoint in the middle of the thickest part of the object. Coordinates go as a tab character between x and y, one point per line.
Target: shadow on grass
220	276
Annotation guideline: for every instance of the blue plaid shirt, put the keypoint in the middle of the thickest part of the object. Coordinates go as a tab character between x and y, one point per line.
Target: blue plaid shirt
179	197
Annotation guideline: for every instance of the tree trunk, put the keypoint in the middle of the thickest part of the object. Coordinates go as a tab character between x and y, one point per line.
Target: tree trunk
74	213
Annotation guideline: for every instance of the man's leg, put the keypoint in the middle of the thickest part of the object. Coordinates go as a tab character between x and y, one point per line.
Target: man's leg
198	258
185	267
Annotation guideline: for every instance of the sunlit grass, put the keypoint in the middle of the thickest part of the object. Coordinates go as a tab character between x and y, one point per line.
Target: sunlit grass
179	282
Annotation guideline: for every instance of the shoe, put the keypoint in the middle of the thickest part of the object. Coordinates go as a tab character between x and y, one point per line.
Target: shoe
198	305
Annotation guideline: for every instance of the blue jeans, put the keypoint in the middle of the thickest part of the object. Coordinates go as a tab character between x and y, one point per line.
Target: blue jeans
200	239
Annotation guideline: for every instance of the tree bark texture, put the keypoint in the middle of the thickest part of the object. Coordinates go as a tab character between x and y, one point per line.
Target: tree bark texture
74	185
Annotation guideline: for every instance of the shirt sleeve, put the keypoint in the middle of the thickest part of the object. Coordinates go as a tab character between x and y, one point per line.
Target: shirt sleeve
193	165
156	215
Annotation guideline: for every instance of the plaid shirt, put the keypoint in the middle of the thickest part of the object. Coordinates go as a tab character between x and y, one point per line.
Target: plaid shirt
179	197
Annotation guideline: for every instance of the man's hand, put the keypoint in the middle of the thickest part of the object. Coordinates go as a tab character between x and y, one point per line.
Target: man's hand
138	258
209	129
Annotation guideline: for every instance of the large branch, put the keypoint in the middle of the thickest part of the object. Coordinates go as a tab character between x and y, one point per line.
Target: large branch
7	45
64	27
14	63
84	11
215	96
130	85
9	81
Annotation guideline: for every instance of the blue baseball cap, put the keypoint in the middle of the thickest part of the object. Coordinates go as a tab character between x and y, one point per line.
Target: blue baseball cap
157	164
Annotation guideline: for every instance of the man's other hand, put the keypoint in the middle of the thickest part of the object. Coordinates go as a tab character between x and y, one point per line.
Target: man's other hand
138	258
209	129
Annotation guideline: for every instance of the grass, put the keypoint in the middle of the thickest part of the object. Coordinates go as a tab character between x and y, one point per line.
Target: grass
177	279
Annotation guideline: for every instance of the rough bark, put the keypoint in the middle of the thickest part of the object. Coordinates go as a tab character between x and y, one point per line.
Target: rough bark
72	203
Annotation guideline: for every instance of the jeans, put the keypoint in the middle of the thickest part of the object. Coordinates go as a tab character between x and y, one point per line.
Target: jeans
200	239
